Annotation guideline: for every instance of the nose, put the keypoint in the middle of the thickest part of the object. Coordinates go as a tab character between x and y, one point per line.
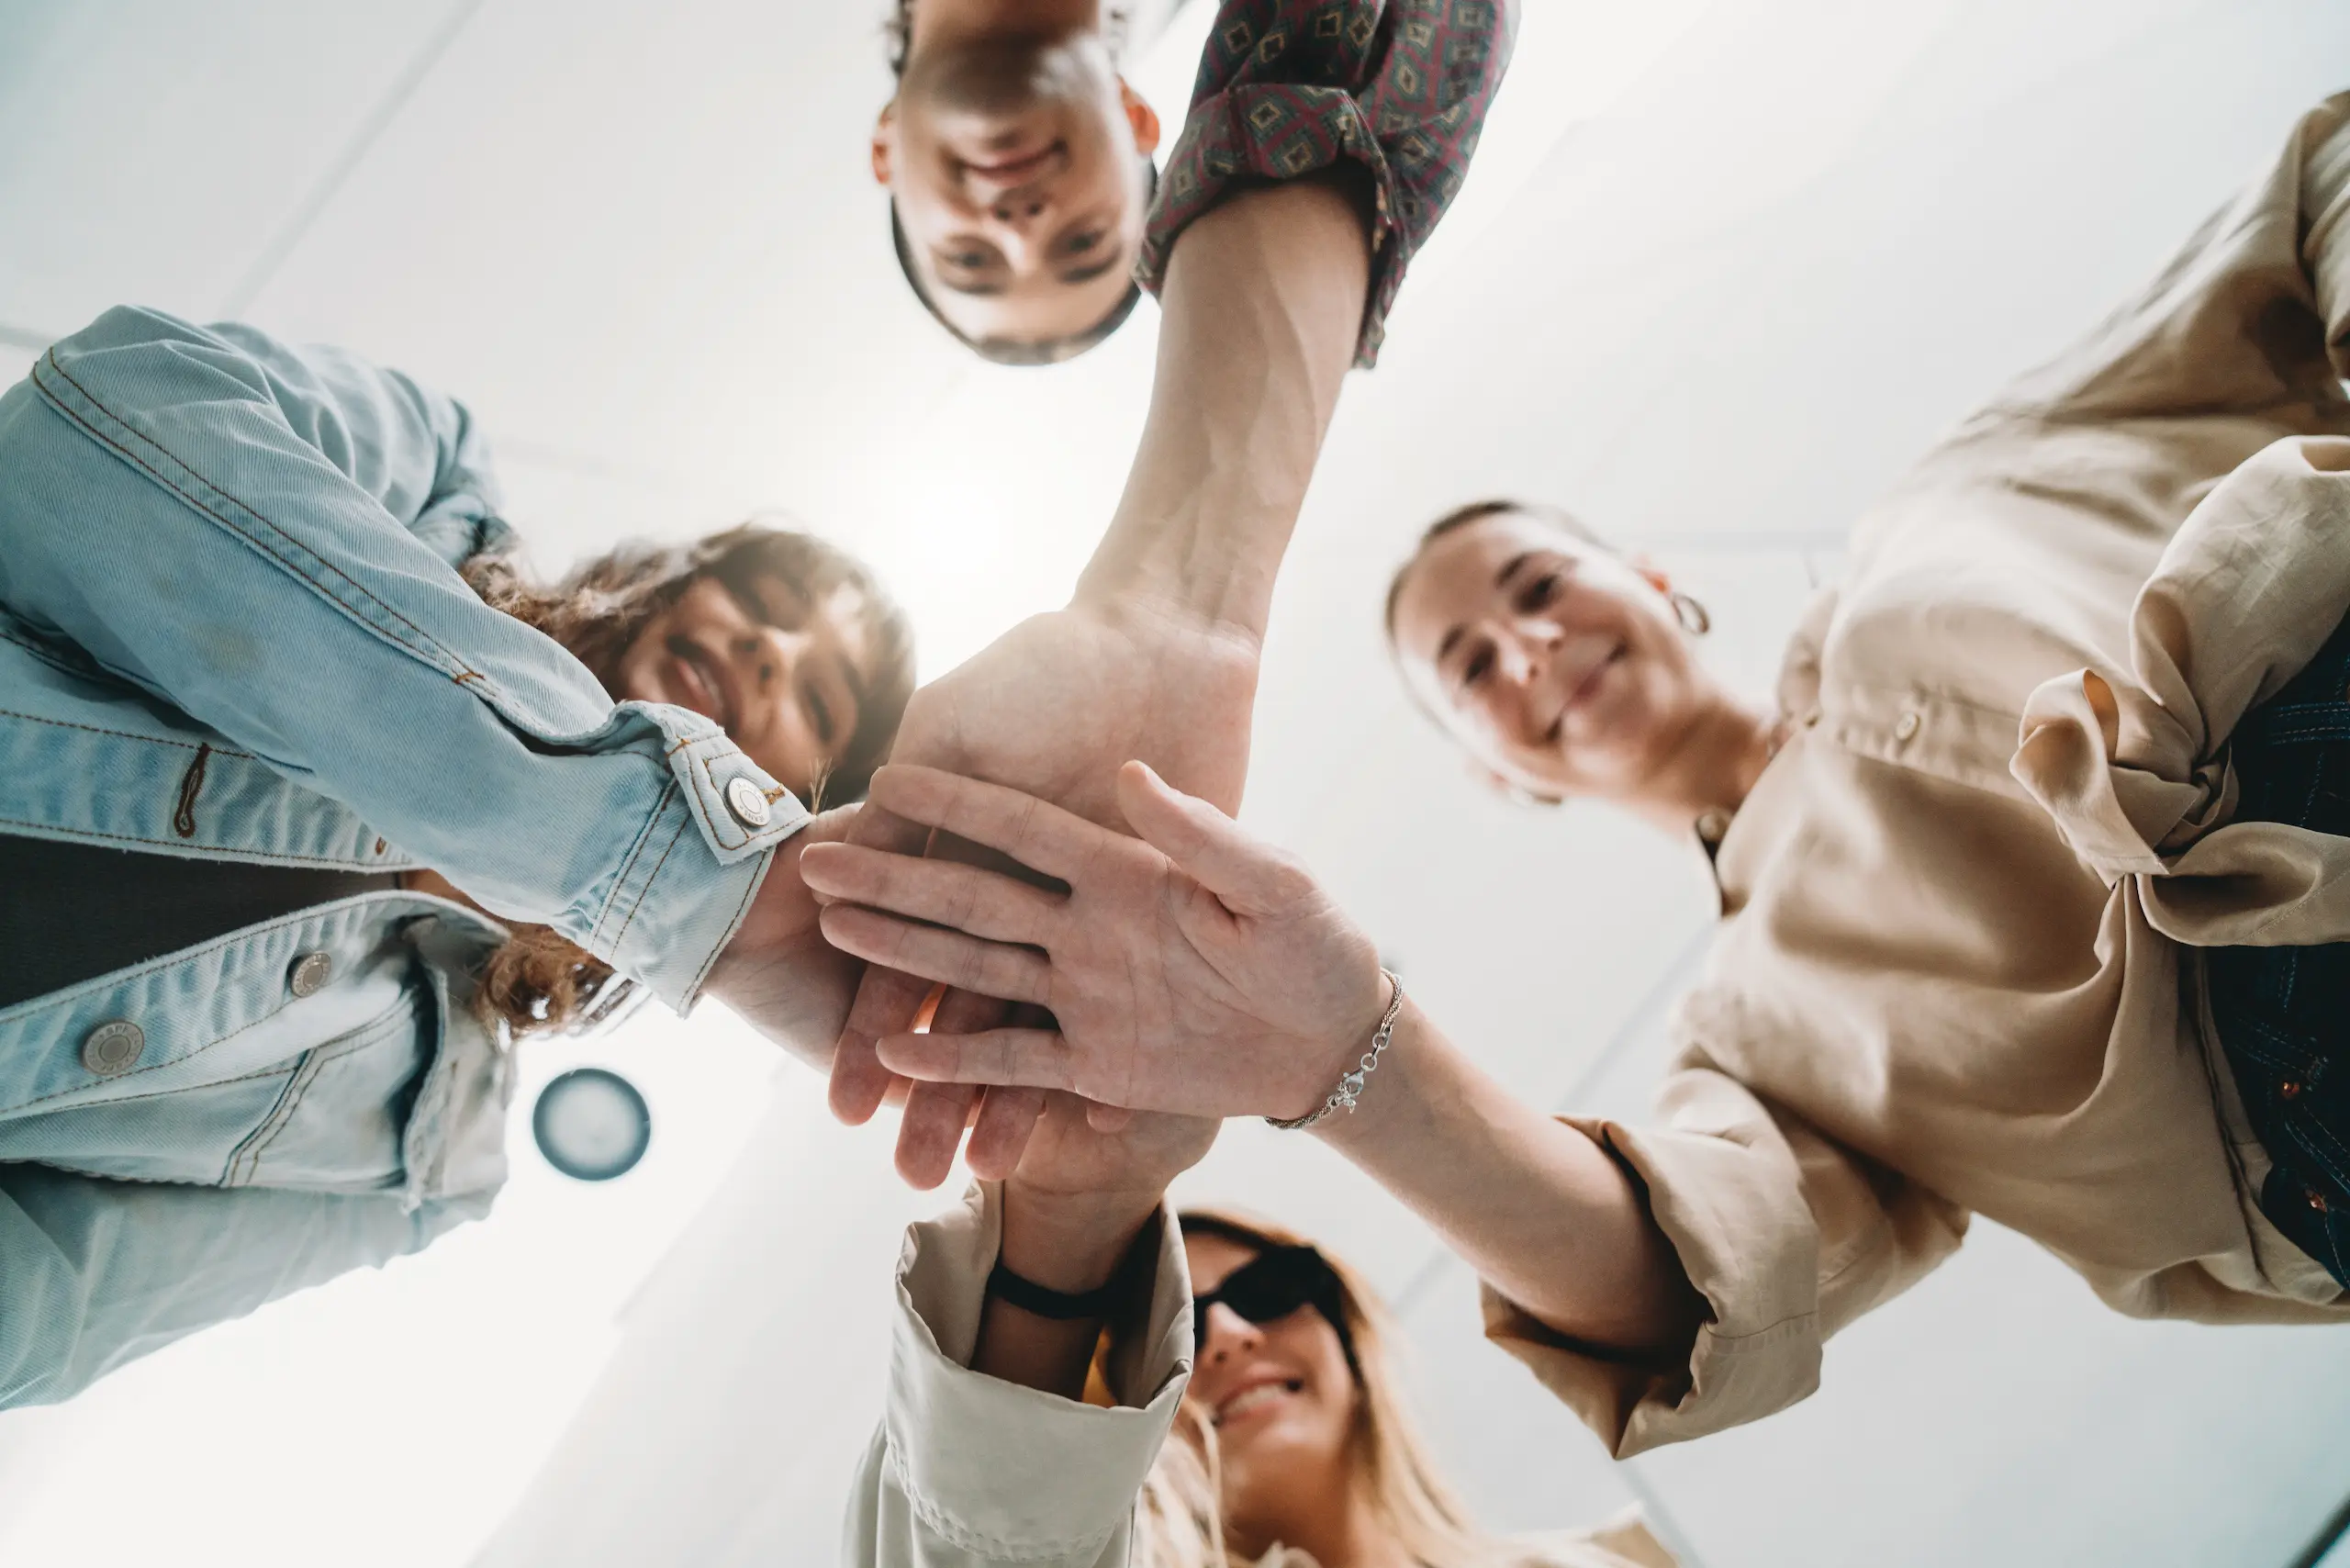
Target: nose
1229	1334
764	657
1522	646
1018	205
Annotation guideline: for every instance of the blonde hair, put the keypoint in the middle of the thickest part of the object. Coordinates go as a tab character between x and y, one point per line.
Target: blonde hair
1180	1522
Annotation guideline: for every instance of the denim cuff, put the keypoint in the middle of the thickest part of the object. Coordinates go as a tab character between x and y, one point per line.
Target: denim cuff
693	871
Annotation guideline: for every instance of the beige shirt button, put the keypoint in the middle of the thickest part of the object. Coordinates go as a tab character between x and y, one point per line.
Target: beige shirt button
114	1048
1713	825
310	974
748	802
1907	728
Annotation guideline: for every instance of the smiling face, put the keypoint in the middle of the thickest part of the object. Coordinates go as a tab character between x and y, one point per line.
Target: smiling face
1016	166
784	675
1280	1396
1557	664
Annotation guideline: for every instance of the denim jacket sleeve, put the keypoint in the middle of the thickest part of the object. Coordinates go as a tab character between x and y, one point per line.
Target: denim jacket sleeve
98	1272
264	539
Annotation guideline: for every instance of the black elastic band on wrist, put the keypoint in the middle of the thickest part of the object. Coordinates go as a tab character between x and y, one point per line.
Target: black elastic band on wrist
1060	1305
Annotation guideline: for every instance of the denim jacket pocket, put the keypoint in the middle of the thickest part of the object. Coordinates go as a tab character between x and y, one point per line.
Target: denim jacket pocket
454	1143
381	1082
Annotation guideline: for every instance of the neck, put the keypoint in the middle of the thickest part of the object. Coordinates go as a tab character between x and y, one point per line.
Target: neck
1327	1519
936	20
1719	754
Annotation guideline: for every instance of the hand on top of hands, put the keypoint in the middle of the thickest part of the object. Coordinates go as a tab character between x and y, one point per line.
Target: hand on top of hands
1191	971
1053	709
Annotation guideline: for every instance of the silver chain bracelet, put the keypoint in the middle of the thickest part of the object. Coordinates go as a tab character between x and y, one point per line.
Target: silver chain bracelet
1349	1087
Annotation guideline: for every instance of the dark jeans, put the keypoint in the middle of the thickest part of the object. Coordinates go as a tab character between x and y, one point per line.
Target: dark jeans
2284	1012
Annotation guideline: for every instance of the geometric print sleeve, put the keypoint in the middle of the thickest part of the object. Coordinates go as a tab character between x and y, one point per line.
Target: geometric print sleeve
1289	87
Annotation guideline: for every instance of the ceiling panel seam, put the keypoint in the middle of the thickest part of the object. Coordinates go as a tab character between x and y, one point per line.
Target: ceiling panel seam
273	255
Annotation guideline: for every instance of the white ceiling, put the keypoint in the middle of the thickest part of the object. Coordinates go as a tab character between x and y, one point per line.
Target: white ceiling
1722	269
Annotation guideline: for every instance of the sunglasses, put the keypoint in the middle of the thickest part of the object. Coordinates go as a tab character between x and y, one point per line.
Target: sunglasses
1271	1285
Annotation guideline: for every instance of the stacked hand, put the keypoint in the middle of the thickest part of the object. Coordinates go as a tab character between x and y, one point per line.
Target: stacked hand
1052	709
1190	970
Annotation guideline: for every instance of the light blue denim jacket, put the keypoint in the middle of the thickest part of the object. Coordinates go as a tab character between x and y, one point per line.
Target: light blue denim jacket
231	628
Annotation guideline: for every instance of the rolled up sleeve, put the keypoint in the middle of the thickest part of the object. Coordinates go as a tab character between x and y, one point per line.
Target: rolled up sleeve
264	539
1289	88
2132	763
967	1469
1787	1237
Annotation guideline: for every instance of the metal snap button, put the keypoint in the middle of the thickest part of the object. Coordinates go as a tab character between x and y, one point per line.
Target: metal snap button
748	802
113	1047
2317	1200
310	974
1907	727
2289	1089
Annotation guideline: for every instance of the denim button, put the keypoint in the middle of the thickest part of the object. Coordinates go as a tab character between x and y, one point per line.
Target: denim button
310	974
113	1047
748	802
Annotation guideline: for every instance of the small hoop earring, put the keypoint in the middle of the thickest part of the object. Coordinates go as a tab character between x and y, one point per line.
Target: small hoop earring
1691	614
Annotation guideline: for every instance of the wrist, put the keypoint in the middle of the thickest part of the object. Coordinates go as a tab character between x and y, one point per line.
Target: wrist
1339	1050
1161	568
1071	1242
1388	1094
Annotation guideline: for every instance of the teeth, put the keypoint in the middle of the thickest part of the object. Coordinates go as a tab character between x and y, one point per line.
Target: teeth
1249	1400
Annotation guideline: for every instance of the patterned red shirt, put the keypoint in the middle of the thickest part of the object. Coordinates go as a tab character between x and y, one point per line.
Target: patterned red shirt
1287	87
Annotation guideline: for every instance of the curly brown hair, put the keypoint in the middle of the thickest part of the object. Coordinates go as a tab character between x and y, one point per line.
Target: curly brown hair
540	981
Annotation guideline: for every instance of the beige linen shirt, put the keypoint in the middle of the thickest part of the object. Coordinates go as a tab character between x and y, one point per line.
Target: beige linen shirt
1958	971
968	1470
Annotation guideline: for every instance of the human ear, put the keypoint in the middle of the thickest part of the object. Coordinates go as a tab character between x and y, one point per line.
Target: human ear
1141	116
882	136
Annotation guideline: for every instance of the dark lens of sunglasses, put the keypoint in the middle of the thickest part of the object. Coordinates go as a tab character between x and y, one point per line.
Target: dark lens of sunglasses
1268	1287
1274	1285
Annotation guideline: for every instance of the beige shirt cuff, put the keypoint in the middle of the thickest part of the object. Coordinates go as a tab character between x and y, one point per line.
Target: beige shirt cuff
1735	1213
972	1469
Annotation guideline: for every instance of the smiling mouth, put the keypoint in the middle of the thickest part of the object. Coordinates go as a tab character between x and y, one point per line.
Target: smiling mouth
1020	170
1256	1396
1583	690
703	680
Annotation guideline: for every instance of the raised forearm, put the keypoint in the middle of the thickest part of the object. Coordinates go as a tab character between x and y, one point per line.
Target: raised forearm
1262	306
1531	1203
1072	1246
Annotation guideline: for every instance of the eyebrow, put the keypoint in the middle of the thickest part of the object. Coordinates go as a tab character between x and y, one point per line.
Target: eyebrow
1501	581
1087	274
948	283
